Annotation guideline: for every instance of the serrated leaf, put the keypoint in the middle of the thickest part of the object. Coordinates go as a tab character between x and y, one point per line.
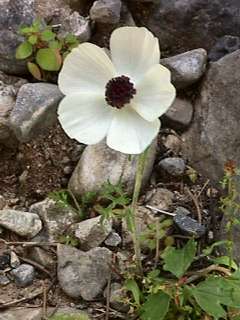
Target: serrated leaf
33	39
177	261
24	50
156	306
132	286
48	60
48	35
216	292
34	70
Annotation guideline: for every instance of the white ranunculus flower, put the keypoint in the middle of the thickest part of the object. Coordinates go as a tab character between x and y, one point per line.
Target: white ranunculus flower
119	99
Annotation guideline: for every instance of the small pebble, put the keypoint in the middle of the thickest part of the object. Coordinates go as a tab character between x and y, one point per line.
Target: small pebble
4	280
14	260
189	226
174	166
2	202
182	210
113	240
23	275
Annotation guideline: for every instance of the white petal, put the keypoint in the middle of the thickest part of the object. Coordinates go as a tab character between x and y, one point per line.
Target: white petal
134	50
85	118
86	69
155	93
130	133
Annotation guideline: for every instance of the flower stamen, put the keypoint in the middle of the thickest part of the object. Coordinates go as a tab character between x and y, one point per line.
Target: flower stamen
119	91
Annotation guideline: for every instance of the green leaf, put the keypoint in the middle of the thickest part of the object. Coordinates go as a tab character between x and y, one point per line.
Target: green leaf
24	50
177	261
34	70
26	30
71	38
156	306
131	285
48	59
225	260
55	44
48	35
214	292
33	39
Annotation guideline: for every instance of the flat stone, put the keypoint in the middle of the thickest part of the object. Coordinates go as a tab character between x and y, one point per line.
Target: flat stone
42	256
92	232
173	166
3	202
25	224
83	274
55	218
213	137
179	115
99	164
106	11
23	275
189	226
113	240
35	109
172	142
186	68
14	260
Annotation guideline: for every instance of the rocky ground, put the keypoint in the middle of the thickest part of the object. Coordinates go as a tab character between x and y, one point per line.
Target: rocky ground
43	270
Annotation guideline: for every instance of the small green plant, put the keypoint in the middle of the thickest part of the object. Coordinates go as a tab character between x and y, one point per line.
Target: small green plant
44	49
230	203
175	292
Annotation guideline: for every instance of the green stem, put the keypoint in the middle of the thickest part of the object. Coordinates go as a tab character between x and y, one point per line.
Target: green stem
136	193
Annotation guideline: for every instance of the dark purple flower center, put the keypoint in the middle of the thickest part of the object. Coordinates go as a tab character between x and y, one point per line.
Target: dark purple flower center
119	91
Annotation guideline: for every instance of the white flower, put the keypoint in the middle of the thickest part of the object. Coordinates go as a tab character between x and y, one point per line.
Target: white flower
120	100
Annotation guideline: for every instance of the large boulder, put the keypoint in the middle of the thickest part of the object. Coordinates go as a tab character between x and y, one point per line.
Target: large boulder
214	136
182	25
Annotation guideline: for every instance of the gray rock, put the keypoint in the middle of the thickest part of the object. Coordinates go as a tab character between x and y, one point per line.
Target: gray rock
106	11
55	218
187	24
4	280
83	274
36	313
99	164
92	232
186	68
25	224
179	115
9	87
35	109
113	240
77	25
160	198
189	226
174	166
23	275
223	46
182	210
213	137
117	297
42	256
13	14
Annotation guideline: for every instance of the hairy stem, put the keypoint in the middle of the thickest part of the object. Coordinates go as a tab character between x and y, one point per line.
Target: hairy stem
136	193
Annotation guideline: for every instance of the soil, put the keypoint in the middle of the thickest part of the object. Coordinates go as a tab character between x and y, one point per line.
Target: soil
32	170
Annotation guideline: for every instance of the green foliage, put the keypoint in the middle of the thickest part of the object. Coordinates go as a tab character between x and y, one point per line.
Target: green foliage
156	306
132	286
44	49
69	240
70	317
113	202
177	261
